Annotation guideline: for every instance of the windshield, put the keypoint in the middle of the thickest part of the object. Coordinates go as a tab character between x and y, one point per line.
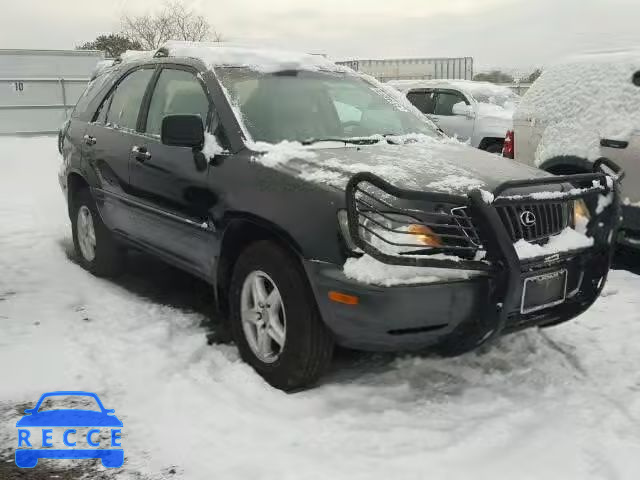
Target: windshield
305	106
506	99
62	402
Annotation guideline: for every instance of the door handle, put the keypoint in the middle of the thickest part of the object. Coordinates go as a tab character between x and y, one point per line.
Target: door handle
141	154
605	142
89	140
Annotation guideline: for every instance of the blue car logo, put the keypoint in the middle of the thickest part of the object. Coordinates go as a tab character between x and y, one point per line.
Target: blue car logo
37	427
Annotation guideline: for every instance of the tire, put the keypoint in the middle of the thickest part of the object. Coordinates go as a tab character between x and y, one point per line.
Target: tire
108	256
306	345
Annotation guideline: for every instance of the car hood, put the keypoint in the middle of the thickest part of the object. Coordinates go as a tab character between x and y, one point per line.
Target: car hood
494	116
443	165
69	418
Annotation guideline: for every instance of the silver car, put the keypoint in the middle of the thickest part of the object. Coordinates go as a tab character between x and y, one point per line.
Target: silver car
579	110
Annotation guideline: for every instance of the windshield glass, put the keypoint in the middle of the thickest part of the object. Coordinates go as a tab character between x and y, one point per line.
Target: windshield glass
305	106
62	402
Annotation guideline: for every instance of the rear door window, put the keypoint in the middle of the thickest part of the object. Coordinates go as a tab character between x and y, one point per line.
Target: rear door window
177	92
446	100
93	88
124	104
423	100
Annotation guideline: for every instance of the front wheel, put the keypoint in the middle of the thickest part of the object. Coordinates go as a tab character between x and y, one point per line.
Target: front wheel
274	318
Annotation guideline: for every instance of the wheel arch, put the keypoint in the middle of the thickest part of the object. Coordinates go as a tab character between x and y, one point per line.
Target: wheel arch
487	141
239	233
75	183
566	164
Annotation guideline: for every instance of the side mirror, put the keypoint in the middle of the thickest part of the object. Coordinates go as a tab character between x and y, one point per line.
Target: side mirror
182	131
463	109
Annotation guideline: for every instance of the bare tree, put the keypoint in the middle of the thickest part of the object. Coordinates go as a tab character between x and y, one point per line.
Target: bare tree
174	21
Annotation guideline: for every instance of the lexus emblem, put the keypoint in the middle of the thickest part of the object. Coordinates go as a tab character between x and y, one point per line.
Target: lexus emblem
528	218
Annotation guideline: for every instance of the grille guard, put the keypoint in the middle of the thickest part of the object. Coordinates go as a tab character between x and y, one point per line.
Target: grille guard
484	217
502	262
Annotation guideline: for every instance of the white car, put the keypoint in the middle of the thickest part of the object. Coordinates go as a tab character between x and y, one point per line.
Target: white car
579	110
478	112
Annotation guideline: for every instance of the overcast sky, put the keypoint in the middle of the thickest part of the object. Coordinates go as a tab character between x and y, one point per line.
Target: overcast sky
509	33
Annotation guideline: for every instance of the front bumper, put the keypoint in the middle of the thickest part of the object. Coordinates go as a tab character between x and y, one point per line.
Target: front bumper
472	311
413	317
403	317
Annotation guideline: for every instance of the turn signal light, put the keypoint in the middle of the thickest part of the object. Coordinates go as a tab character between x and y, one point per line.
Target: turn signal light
425	235
581	214
343	298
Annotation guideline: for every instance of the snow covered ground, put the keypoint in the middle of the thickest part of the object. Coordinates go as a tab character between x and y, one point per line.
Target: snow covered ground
562	403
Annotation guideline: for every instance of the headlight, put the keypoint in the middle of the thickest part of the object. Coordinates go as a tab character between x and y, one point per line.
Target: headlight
343	222
581	214
424	235
389	232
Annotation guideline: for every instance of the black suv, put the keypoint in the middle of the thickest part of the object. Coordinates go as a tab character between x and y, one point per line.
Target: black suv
323	209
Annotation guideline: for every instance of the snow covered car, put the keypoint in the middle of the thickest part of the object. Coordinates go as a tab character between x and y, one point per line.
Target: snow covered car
479	112
579	110
323	208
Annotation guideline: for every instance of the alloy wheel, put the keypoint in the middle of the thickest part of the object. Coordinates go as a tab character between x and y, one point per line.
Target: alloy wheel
263	316
86	233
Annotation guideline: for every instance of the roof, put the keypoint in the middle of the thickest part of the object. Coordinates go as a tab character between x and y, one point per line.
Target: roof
261	59
597	59
224	54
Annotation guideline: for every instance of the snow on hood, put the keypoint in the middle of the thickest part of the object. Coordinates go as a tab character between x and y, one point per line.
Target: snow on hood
426	163
221	54
496	113
582	100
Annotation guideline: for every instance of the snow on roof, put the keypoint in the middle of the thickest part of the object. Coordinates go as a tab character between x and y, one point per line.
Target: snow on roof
218	54
581	100
128	56
135	55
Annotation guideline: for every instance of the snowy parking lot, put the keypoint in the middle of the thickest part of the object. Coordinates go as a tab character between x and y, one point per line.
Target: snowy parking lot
562	403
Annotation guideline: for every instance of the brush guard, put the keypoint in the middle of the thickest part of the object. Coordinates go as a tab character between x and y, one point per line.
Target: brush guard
475	235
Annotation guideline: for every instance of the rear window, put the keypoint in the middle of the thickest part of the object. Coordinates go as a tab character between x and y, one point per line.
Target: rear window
94	87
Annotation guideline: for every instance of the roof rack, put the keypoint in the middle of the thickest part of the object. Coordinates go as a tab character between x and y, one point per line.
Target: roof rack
162	52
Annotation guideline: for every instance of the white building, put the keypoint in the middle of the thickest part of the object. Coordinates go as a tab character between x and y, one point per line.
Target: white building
415	68
39	88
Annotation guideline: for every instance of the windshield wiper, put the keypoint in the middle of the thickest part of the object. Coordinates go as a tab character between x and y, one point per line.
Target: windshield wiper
353	141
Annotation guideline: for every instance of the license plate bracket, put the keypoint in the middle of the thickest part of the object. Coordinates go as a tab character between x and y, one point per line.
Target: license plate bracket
543	291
